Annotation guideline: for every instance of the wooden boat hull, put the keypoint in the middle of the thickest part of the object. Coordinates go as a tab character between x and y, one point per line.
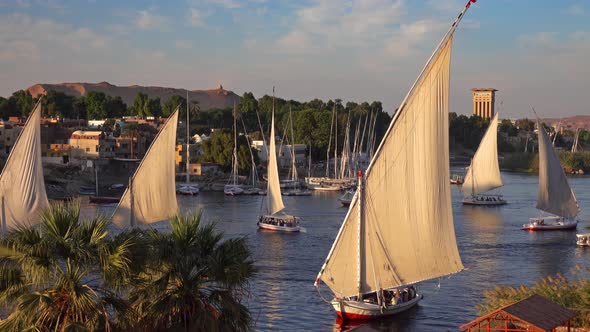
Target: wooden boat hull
233	191
485	200
103	199
355	310
279	223
554	224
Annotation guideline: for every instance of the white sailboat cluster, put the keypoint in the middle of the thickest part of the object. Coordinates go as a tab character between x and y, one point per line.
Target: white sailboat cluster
233	188
22	186
484	172
272	220
555	195
151	194
402	206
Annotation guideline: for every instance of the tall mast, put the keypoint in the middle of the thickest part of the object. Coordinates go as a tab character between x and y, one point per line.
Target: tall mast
330	143
360	232
293	164
335	142
235	156
187	141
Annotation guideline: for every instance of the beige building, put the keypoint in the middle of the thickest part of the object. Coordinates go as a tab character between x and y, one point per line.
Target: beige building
8	135
90	144
484	101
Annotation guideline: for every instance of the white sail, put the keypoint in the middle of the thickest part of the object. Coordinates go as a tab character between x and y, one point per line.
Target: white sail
151	194
555	195
21	182
407	233
484	173
274	198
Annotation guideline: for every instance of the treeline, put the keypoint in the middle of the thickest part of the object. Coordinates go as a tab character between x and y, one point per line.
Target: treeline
311	120
467	132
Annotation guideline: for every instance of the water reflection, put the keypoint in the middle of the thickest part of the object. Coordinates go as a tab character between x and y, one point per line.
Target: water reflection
397	323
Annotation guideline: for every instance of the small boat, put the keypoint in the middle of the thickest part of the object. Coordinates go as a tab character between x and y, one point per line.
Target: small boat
297	192
555	195
187	190
390	239
346	199
251	191
279	223
116	186
324	187
484	200
87	190
103	199
233	190
583	239
550	223
483	174
456	179
272	220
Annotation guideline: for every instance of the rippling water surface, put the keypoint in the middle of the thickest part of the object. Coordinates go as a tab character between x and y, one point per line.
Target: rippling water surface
493	248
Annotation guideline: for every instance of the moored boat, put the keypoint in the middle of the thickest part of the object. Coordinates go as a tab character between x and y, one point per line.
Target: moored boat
233	190
583	239
187	190
346	199
555	195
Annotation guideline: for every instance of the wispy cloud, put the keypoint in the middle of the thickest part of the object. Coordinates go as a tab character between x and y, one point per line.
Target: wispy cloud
576	10
196	18
148	20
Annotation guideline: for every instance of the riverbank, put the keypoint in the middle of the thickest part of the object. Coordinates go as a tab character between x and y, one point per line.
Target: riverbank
572	163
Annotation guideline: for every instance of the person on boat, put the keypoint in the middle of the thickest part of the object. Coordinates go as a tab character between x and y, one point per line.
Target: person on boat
398	297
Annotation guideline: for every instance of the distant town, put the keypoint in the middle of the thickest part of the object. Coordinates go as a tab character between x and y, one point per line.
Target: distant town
83	125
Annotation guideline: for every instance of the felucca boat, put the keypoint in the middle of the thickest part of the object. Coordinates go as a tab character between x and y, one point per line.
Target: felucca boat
399	228
22	187
555	195
187	188
233	188
484	172
151	194
273	221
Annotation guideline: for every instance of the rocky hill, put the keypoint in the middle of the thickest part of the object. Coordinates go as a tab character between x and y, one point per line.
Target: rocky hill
216	98
572	122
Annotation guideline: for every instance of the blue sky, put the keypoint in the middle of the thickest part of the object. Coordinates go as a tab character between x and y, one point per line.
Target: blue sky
535	52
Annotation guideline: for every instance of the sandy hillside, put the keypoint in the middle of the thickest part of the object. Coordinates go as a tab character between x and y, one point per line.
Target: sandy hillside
215	98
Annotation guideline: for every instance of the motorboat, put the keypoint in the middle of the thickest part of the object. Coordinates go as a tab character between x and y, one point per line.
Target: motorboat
484	199
550	223
279	223
583	239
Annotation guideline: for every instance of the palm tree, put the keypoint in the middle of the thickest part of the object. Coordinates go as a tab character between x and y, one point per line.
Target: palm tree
63	274
194	280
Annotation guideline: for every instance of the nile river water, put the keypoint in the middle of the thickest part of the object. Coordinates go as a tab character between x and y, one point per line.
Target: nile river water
493	248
